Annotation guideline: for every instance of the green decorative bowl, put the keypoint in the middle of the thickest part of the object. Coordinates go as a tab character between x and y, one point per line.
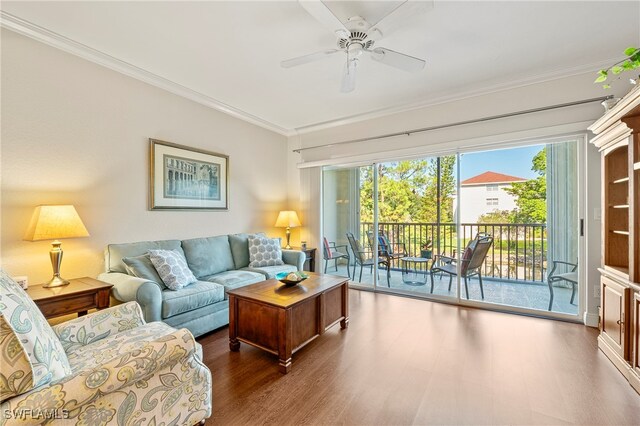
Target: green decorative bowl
282	277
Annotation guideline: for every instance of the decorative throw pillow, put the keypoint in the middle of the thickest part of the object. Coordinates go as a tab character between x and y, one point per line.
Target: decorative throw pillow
31	354
172	268
264	251
141	267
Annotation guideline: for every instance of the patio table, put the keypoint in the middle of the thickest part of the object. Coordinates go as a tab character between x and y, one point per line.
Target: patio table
415	270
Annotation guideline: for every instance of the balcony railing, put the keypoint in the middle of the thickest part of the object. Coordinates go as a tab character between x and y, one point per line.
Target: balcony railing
518	252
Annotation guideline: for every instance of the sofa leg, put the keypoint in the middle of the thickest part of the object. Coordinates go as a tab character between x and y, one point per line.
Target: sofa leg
201	422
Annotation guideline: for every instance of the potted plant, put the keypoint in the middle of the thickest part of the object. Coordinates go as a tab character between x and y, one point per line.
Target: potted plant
426	249
630	63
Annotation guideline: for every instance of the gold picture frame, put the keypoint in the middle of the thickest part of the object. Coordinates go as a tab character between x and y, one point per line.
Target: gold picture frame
186	178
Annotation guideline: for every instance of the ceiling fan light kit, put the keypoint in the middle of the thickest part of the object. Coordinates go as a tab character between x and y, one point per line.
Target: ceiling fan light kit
354	38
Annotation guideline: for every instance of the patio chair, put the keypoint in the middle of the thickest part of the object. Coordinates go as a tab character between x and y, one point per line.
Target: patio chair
365	258
387	249
470	265
555	276
331	252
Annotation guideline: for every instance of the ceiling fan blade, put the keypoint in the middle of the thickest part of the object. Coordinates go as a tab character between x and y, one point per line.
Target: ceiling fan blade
308	58
397	17
323	14
374	34
397	59
349	76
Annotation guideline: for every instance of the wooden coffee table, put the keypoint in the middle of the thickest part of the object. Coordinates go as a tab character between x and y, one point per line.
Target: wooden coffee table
281	319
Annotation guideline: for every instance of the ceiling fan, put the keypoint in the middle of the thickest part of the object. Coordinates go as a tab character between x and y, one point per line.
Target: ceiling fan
354	38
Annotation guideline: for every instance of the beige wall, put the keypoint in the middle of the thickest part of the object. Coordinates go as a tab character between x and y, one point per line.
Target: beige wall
76	133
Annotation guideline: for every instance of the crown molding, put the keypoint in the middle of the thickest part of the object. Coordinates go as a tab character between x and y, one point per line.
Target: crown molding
463	94
61	42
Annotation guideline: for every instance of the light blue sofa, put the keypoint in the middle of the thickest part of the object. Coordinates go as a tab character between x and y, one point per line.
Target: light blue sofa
220	263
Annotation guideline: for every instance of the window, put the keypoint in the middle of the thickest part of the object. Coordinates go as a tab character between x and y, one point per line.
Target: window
492	187
492	201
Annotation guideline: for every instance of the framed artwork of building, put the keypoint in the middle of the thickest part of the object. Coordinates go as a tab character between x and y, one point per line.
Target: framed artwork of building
184	178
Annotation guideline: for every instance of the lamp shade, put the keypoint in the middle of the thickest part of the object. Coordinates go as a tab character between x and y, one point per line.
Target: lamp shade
287	218
55	222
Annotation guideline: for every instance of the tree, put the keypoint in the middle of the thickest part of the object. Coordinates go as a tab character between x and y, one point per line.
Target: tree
407	191
498	216
531	195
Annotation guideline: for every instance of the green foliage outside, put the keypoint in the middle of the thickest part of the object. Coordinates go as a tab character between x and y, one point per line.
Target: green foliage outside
408	195
408	191
498	216
630	63
531	195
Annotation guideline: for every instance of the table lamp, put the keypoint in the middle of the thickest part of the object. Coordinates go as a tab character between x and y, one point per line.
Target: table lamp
288	219
53	223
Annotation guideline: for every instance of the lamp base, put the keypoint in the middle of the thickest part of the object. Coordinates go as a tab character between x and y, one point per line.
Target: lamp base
56	260
56	281
288	232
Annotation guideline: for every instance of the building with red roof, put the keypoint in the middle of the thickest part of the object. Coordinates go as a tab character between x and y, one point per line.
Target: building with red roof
491	178
485	193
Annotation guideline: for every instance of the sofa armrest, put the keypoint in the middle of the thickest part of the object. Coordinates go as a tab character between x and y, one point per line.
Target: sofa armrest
117	374
295	258
98	325
132	289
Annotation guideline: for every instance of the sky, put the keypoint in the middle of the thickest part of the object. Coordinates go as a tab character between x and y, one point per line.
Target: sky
513	162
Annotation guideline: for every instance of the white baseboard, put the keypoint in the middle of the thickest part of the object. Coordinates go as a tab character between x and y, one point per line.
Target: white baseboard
591	319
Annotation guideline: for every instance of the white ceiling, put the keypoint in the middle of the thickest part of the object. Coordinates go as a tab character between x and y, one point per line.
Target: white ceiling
231	50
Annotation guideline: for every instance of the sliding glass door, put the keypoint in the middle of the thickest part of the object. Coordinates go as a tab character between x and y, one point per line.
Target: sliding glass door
416	224
505	233
525	201
393	219
347	201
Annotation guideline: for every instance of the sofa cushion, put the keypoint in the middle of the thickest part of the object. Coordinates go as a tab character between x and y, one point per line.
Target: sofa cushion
240	248
141	267
235	279
172	268
202	320
114	253
208	256
193	296
264	251
271	271
33	340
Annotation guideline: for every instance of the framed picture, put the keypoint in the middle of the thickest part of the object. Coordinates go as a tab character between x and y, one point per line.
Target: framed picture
184	178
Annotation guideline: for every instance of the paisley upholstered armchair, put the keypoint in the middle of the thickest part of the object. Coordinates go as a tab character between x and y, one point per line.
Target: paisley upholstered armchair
109	367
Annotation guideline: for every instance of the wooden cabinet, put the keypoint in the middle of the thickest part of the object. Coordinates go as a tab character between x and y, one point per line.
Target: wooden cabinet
616	209
618	139
614	322
635	332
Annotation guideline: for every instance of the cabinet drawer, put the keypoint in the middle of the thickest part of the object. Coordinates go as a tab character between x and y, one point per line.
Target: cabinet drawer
71	305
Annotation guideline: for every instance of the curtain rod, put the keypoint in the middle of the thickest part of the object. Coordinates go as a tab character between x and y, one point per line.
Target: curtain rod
459	123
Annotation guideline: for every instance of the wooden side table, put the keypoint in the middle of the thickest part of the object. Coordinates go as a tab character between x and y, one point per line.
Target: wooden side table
310	261
78	297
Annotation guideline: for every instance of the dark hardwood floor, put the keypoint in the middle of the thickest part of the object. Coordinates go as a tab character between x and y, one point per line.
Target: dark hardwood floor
406	361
